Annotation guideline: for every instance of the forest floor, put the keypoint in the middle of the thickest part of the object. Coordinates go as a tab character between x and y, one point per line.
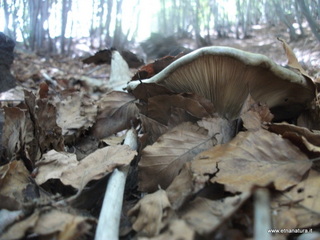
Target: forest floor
51	194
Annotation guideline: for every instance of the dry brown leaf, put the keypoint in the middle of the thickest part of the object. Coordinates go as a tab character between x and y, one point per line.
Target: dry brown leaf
292	59
204	215
252	158
152	128
151	213
290	210
44	114
97	165
179	115
62	222
47	221
77	174
294	216
74	113
307	192
16	183
254	114
177	230
161	162
9	217
181	188
222	129
53	164
307	141
19	229
145	91
18	133
116	111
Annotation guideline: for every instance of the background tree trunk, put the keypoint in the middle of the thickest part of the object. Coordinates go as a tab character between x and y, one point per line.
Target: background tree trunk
108	22
313	25
280	13
66	7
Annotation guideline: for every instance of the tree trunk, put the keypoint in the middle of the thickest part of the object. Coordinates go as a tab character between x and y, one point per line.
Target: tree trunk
240	19
118	40
108	23
66	6
6	17
196	25
312	24
299	18
163	18
279	10
101	25
34	8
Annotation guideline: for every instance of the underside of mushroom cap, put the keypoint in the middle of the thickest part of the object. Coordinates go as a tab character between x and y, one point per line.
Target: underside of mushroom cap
226	76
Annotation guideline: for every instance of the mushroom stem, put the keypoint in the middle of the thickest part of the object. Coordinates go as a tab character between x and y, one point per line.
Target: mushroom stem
109	219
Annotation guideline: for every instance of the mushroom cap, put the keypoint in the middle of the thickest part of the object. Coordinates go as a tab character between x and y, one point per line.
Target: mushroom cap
226	76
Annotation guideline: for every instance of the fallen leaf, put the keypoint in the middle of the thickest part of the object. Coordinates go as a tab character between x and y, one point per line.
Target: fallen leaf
16	183
292	59
47	133
255	114
7	218
152	129
204	215
53	164
18	134
74	114
151	213
45	221
157	66
77	174
222	129
161	162
116	111
144	91
58	221
292	211
182	188
177	230
252	159
303	138
19	229
307	192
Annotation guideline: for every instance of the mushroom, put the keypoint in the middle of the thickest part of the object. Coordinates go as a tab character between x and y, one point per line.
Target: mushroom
226	76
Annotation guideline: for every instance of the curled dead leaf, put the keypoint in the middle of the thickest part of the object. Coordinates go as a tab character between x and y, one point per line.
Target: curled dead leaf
98	164
252	159
116	111
161	162
151	213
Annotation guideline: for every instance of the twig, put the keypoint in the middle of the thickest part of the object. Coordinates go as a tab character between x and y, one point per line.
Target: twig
109	219
262	218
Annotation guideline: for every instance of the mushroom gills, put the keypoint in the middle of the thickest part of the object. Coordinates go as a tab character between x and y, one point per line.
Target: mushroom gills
226	76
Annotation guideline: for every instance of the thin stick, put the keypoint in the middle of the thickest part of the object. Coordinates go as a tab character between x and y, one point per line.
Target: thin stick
109	219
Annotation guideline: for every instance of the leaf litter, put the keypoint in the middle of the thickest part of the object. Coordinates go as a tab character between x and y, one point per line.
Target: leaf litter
193	176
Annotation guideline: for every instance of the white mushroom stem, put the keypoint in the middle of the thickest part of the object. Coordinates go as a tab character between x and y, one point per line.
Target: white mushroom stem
262	218
109	219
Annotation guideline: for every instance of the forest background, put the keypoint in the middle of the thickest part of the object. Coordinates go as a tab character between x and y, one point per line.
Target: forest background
71	27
